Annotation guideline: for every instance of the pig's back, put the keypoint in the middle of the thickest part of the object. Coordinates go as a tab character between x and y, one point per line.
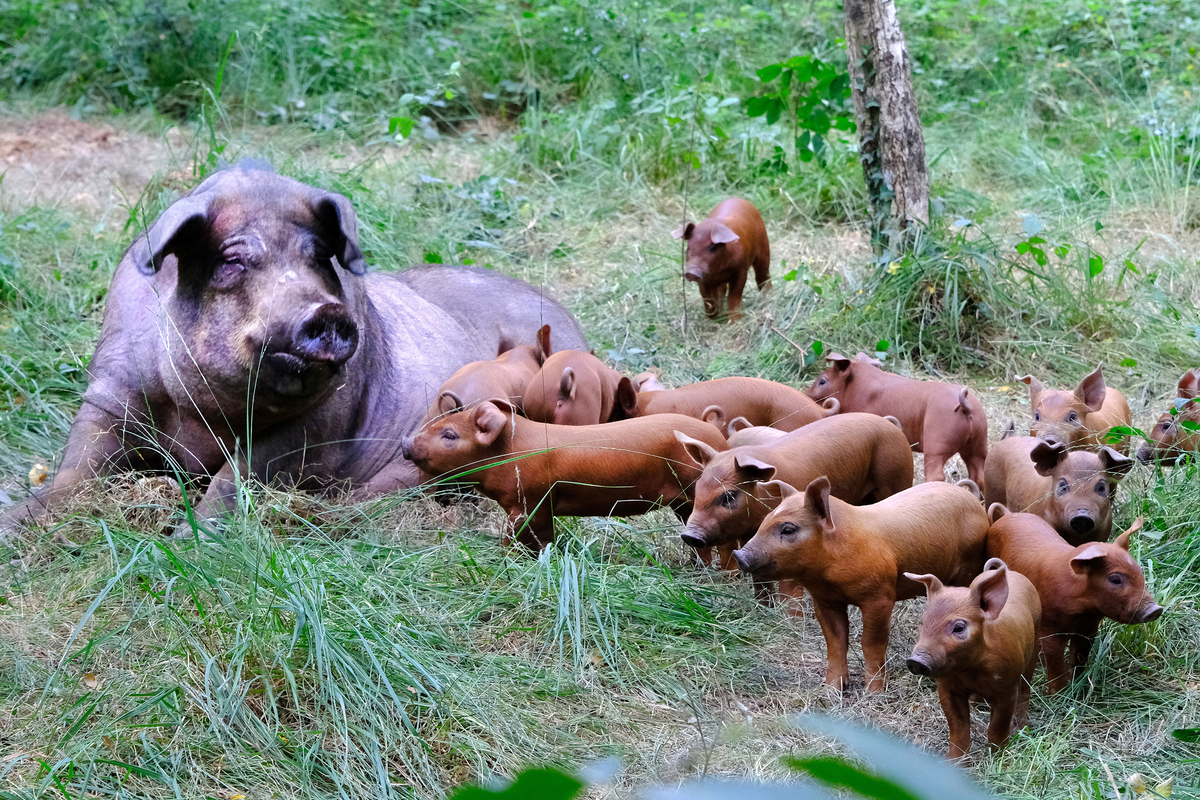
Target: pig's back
1027	544
1005	467
741	217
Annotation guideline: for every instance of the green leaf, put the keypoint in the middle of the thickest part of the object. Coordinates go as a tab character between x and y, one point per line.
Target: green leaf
1187	734
400	125
1190	425
818	348
770	72
433	257
1095	266
1129	363
1129	265
774	110
532	784
756	106
1099	227
791	276
1062	250
844	775
882	345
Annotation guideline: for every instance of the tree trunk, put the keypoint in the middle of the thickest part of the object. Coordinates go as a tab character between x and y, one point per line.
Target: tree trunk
891	145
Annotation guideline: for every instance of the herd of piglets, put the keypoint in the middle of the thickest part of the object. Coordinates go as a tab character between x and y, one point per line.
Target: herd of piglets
813	491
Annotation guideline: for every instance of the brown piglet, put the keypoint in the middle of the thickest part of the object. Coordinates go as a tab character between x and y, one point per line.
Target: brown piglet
575	388
1073	490
848	555
537	471
1078	586
647	382
1178	430
721	251
761	402
1080	417
939	419
980	640
505	376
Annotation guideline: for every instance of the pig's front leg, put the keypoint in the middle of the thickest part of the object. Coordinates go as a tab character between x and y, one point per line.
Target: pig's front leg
835	625
1003	710
736	287
791	596
762	274
957	708
1021	714
534	532
708	293
1054	657
877	624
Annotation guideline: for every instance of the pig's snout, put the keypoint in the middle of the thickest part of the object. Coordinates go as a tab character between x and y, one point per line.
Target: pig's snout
918	664
327	334
1051	438
694	273
406	447
694	537
1145	454
1082	522
1150	612
742	562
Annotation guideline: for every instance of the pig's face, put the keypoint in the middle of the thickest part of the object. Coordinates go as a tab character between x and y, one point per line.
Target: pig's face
1084	484
1060	415
1116	585
459	438
259	276
951	636
833	381
711	248
729	500
1170	437
792	537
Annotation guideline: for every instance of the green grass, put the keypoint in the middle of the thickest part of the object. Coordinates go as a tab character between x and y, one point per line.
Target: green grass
319	650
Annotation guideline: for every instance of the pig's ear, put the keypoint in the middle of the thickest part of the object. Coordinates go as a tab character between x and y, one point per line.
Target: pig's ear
1091	390
489	422
1187	388
449	402
1115	464
1035	388
1091	559
505	345
738	424
990	591
1046	455
697	450
816	498
335	214
543	344
186	220
1123	540
838	360
714	415
684	231
866	359
996	511
1010	429
779	489
831	406
627	397
932	584
753	469
723	235
567	384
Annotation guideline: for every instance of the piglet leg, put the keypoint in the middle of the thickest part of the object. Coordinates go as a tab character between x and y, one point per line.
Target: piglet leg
835	625
1054	657
957	708
877	623
1000	727
736	287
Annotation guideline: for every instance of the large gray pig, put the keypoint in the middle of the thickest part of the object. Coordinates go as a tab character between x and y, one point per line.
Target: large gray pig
241	329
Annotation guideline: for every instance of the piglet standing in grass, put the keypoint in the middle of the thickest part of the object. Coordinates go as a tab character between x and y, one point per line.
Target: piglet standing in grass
1081	417
1177	430
980	640
722	249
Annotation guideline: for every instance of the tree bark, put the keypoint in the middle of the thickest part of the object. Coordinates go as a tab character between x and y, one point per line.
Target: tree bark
891	144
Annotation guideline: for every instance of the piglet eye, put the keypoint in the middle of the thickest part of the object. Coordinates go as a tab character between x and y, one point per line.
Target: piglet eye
1063	486
788	529
823	381
1072	417
1116	579
1037	416
958	627
1102	488
730	498
228	272
449	435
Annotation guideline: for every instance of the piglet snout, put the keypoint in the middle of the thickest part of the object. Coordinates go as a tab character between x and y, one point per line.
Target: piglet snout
1082	522
1145	454
1151	612
327	334
693	537
918	664
693	274
406	446
742	563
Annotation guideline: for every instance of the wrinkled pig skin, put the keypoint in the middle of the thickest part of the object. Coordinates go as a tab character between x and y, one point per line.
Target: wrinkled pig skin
242	325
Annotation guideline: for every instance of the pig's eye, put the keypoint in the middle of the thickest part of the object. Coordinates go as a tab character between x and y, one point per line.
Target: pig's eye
449	435
715	246
823	381
228	272
729	499
1116	579
1102	488
1166	426
1063	486
1037	416
958	628
1072	417
788	529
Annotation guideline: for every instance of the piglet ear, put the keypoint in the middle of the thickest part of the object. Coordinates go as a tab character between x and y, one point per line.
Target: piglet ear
1046	455
696	450
932	584
1123	540
751	469
816	497
990	590
838	360
1010	429
1092	558
723	235
1115	464
489	423
186	220
505	345
339	224
627	399
866	359
684	231
1035	388
779	490
543	344
1091	390
1187	388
